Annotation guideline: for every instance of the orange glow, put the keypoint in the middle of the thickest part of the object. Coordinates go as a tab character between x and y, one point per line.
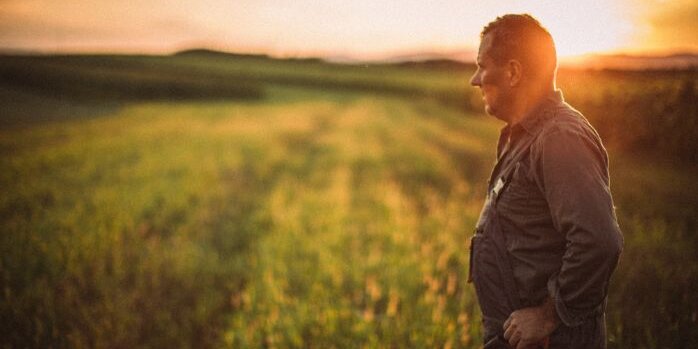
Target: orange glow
359	28
596	35
583	27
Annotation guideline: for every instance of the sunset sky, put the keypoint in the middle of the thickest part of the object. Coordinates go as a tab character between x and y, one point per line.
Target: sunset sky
355	28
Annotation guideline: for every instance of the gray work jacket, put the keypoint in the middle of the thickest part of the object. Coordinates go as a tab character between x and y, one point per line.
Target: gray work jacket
548	225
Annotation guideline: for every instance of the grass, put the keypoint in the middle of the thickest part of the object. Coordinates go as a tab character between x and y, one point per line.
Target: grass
167	225
652	291
321	213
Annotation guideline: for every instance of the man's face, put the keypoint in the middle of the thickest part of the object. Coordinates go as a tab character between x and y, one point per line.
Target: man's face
493	81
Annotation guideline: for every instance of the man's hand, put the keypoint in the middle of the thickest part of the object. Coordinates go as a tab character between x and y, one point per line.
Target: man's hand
530	327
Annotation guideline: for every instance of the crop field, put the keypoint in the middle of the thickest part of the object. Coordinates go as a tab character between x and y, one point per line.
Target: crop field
202	200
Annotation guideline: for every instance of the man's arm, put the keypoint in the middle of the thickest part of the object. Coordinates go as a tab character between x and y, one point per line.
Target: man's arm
572	174
571	171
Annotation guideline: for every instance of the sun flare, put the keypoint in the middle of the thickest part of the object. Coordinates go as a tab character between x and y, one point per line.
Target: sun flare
590	30
574	41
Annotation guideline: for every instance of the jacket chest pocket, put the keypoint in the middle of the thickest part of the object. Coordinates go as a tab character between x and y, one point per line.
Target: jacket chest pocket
521	196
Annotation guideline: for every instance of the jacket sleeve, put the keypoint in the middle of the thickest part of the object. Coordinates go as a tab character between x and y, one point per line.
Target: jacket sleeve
572	172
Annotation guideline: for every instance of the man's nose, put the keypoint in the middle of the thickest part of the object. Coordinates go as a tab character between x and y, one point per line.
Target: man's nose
475	80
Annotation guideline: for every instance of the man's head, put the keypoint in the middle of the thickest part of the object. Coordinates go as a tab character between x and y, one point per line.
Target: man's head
516	56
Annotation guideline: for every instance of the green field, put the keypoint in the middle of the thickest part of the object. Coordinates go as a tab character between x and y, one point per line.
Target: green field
204	200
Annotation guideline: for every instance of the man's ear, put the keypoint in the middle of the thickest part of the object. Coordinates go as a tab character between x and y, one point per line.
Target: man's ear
515	71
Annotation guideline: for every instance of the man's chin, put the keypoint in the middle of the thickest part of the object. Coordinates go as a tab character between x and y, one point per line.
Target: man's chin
493	112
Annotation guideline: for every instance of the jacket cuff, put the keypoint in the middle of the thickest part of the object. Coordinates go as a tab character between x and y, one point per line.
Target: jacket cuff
569	317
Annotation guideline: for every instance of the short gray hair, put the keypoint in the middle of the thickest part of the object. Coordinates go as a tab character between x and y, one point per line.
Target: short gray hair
522	37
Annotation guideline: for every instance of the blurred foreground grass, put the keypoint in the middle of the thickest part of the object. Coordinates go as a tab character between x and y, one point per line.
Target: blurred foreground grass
317	213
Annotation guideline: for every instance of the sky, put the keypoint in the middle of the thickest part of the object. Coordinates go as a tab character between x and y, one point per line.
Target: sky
337	28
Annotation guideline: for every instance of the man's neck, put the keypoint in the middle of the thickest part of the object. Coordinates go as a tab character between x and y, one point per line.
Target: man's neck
528	102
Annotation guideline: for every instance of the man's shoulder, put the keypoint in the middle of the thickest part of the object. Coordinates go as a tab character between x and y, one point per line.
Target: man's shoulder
567	120
566	126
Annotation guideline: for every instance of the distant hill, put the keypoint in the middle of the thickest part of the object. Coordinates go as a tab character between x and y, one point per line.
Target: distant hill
635	62
446	64
463	56
208	52
223	54
446	59
466	56
594	61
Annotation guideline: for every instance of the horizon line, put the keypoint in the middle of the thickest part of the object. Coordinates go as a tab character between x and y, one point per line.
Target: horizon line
465	55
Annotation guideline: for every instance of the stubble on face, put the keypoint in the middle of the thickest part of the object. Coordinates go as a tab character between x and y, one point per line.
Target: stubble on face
492	80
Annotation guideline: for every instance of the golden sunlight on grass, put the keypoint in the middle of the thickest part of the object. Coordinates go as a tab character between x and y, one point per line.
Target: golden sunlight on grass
311	205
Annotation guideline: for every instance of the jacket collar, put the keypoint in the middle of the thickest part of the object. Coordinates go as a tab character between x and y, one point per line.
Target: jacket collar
543	111
531	123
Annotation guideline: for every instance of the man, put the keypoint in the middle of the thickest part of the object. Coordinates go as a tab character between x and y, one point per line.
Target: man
547	239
